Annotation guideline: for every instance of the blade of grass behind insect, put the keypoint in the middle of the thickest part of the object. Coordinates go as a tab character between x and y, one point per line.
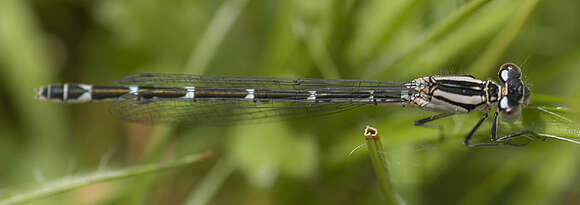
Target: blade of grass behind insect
502	41
564	121
326	37
342	26
211	39
388	29
562	113
478	27
545	122
383	62
67	184
281	41
575	103
321	57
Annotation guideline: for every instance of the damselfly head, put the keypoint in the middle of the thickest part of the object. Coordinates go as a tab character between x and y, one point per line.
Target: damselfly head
514	94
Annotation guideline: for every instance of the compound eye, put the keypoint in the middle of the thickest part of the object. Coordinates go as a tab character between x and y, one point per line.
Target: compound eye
503	104
508	71
508	113
511	114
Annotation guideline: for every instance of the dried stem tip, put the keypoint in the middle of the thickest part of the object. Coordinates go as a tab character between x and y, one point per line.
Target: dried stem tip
371	133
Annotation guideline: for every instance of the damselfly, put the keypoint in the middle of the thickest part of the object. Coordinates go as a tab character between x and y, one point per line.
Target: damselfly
182	99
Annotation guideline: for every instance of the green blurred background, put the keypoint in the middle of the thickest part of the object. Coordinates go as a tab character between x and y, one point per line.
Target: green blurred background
295	162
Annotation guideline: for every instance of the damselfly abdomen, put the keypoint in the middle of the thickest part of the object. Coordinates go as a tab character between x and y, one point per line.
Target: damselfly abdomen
182	99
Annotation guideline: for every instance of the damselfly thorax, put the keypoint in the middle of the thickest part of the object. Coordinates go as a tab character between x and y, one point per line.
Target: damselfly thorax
183	99
453	94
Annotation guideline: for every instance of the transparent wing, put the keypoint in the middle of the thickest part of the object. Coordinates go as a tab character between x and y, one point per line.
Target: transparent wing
187	112
181	80
347	94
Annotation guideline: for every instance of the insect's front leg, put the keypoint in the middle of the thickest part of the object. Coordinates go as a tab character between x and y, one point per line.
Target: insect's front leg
506	138
472	132
493	134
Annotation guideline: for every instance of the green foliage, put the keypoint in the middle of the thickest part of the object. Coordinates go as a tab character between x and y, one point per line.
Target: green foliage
70	183
305	161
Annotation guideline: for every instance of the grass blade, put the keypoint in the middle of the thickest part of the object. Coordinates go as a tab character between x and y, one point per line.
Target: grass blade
213	36
71	183
439	30
503	40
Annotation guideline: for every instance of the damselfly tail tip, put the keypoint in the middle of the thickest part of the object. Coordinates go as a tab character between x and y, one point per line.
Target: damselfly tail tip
41	93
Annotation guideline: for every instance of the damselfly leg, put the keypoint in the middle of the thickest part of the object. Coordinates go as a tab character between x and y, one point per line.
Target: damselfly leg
526	133
422	123
505	140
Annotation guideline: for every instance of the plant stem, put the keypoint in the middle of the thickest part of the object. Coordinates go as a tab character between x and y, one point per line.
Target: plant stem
380	164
